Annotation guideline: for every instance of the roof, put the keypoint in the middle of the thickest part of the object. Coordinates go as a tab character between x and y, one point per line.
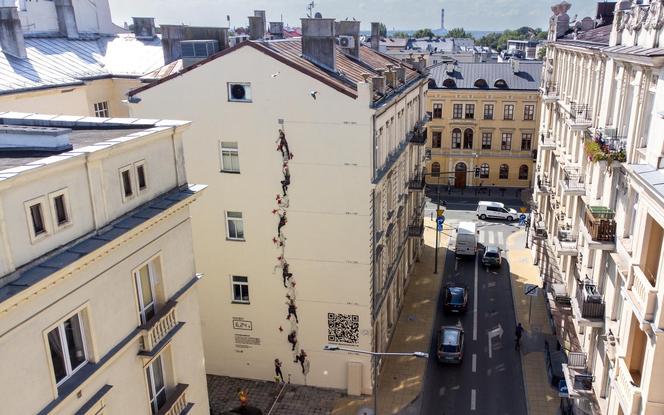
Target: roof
465	76
393	42
651	176
53	62
634	50
598	36
164	71
289	52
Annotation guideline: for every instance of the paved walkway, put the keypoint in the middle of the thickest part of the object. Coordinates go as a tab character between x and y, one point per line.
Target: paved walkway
542	399
401	378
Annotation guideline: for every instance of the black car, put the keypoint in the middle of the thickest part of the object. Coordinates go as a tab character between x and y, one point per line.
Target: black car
455	298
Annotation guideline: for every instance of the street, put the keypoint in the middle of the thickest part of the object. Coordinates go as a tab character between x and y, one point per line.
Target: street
487	381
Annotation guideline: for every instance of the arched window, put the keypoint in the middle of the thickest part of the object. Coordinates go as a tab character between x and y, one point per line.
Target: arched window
481	83
449	83
435	169
468	139
500	83
504	171
456	138
523	172
484	171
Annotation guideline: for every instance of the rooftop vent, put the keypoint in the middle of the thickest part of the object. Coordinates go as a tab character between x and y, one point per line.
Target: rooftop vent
144	27
194	51
21	139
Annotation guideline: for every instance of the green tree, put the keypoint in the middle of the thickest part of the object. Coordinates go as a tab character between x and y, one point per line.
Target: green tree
499	40
383	30
458	32
423	33
400	35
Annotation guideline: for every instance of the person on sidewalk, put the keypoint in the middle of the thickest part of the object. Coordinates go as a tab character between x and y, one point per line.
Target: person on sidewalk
277	370
518	333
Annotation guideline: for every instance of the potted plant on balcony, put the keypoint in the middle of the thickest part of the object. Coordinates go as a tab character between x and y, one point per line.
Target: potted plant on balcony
597	150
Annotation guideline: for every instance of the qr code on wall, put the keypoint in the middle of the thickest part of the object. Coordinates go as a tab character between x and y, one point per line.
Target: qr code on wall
343	328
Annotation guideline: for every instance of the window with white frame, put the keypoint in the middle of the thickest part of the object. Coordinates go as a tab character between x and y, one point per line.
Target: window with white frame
127	183
38	222
230	157
66	344
101	109
144	278
141	176
240	289
235	226
154	374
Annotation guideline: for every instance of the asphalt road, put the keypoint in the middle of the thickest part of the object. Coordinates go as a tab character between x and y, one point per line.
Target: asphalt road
481	384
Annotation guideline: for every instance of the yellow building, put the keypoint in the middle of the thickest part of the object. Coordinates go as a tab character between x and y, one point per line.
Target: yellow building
484	118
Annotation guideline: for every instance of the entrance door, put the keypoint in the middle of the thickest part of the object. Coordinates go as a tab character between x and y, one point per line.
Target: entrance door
460	175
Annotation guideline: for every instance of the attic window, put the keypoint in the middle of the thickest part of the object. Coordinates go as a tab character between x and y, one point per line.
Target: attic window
500	83
449	83
432	84
481	83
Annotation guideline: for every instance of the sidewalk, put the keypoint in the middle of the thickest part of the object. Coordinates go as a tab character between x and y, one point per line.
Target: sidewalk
542	399
400	379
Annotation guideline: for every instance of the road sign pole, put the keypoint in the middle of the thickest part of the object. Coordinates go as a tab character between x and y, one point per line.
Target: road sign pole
530	308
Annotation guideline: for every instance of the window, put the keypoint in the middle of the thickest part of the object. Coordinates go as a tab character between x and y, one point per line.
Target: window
468	139
456	138
235	226
470	111
437	110
101	109
145	280
457	110
504	171
37	219
488	111
436	139
523	172
529	112
127	189
156	385
486	141
230	157
506	142
484	171
66	343
435	169
239	92
509	112
526	141
140	175
240	289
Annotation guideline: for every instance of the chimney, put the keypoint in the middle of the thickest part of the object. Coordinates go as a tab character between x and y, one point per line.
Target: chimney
442	19
350	28
277	30
144	27
391	76
375	35
256	28
11	35
401	74
318	42
516	66
261	14
378	84
605	12
66	19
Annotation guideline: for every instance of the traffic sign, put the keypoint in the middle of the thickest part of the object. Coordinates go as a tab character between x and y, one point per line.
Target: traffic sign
439	212
439	223
531	290
522	209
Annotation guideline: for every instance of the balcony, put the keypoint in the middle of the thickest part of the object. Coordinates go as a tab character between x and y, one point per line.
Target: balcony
606	145
643	294
416	183
600	224
547	141
176	404
543	184
418	136
550	92
565	242
572	182
579	116
629	394
577	377
588	306
416	229
159	330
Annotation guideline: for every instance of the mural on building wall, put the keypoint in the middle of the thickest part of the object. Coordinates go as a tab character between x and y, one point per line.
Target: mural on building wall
299	355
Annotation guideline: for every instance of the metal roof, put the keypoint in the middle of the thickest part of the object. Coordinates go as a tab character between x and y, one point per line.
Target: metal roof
53	62
635	50
465	75
651	176
598	36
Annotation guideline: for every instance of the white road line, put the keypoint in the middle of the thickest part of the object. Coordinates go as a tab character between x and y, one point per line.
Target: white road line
475	301
472	399
491	238
501	239
474	363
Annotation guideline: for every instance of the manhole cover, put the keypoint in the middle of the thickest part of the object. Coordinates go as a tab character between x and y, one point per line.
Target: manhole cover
365	411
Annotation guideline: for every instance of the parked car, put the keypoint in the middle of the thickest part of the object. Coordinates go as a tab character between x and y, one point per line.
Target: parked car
492	256
450	344
455	298
495	210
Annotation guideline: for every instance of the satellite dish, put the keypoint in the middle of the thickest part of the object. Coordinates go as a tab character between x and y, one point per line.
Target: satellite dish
318	15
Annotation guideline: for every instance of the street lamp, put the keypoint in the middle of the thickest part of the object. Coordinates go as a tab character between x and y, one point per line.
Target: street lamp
374	364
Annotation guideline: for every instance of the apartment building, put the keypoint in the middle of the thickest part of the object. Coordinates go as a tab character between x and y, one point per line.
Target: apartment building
313	150
600	226
98	311
483	116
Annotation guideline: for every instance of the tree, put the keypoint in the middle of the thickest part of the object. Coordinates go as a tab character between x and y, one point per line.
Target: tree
400	35
499	40
383	30
423	33
458	32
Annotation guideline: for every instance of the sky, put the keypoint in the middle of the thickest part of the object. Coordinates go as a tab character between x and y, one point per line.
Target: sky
395	14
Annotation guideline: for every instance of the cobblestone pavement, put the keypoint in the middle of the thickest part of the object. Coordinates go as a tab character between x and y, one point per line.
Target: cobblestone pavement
295	400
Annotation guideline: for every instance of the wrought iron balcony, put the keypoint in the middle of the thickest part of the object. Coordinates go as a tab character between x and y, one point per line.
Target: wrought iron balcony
550	91
588	306
606	144
572	182
547	141
416	229
580	116
418	136
600	223
565	242
543	184
416	183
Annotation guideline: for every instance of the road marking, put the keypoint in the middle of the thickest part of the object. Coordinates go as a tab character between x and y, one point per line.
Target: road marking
474	363
491	238
501	240
475	301
472	399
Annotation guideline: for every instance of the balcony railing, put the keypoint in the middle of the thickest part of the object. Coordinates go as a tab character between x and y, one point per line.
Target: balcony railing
580	113
550	90
644	292
159	326
544	184
416	182
628	393
416	229
606	145
600	224
418	136
566	242
547	141
176	403
572	181
579	380
590	301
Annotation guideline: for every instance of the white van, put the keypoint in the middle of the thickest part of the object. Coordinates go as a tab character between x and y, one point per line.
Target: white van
495	210
466	239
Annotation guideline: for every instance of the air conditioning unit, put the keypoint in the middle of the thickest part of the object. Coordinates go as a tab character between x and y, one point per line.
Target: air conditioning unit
347	42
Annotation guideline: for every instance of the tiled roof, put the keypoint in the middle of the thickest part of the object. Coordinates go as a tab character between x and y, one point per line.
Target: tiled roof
598	36
465	75
635	50
53	62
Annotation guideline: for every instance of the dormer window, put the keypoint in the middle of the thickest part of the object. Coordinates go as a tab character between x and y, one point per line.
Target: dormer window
481	83
500	83
449	83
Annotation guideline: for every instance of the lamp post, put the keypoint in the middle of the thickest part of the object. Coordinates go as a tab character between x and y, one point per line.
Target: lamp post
374	364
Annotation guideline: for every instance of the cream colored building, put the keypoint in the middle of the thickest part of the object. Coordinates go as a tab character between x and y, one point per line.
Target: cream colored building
483	116
351	118
98	311
601	202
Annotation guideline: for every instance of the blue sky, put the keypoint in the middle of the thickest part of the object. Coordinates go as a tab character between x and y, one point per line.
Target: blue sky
399	14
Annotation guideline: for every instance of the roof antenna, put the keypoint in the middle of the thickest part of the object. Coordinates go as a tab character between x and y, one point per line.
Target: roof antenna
310	8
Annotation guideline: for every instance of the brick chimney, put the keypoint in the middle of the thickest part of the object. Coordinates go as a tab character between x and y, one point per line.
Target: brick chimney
391	76
11	35
256	28
379	84
401	74
350	28
144	27
318	42
277	30
66	19
375	35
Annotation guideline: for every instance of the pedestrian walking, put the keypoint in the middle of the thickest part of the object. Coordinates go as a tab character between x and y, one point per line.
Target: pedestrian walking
292	310
277	370
518	333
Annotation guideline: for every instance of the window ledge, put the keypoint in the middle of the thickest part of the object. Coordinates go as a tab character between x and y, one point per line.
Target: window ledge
235	239
229	171
240	302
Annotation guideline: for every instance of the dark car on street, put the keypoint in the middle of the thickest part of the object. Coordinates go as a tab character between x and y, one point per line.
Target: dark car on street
450	344
455	298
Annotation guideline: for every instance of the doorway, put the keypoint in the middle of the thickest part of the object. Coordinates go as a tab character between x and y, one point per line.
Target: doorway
460	175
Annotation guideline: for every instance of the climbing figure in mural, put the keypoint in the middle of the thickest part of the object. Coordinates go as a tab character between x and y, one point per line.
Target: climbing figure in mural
277	371
285	274
302	359
292	309
282	223
282	145
286	181
292	339
282	201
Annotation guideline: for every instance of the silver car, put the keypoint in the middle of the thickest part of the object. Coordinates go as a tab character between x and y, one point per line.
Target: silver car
492	256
